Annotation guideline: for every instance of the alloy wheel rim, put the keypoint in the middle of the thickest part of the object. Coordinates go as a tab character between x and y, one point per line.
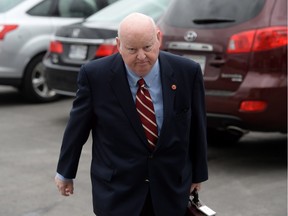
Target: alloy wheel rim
39	82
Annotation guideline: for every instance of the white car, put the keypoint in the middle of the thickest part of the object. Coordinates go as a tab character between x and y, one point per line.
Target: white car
26	27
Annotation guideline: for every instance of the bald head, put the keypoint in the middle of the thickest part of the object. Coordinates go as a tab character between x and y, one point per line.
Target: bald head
136	23
138	42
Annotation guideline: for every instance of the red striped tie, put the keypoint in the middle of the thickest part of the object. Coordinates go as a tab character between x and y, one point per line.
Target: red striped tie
146	112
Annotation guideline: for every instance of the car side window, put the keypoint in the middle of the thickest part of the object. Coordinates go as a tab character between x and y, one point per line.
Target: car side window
42	9
77	8
103	3
69	8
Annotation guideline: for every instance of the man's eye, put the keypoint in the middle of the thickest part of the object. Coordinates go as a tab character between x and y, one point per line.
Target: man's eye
131	50
147	48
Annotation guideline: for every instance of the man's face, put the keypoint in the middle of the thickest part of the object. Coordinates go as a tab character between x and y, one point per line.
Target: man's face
140	52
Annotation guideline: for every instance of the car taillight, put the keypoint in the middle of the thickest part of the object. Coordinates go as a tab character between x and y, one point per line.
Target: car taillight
4	29
106	50
253	106
270	38
241	42
56	47
258	40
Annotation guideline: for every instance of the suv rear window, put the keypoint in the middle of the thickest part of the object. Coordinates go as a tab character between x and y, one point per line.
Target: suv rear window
212	13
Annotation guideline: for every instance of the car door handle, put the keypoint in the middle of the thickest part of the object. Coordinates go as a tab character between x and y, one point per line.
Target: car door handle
217	62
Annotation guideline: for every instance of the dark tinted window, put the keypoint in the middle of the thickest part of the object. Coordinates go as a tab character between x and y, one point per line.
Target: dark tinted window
65	8
212	13
42	9
103	3
77	8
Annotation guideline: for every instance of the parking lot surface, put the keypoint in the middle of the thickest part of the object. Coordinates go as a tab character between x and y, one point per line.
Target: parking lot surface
246	179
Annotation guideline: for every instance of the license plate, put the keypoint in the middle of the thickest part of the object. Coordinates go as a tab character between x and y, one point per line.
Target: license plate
199	59
78	52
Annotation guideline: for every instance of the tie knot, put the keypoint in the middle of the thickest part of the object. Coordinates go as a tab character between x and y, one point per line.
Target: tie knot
141	82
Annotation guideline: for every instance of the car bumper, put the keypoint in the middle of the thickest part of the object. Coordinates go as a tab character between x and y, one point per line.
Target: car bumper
62	79
223	110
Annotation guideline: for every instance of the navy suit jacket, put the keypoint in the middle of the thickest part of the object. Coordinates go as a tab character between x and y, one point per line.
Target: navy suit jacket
122	168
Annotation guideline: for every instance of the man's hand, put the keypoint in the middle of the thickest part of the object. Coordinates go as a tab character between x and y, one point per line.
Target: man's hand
196	186
65	187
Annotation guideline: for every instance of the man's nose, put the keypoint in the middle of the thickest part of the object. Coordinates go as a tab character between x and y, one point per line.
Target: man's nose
141	55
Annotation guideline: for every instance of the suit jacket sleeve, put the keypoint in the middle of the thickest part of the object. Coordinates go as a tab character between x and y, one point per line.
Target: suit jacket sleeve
77	130
198	130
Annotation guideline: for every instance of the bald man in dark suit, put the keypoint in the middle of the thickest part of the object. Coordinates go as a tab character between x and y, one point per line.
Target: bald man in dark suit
131	175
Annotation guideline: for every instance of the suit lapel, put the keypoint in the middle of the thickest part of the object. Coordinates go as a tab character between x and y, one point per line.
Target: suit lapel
120	86
169	86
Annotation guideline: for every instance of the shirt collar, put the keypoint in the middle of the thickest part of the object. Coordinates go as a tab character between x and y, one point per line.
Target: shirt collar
149	78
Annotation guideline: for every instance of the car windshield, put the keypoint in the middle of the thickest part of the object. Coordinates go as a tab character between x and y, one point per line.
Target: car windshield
116	12
207	13
6	5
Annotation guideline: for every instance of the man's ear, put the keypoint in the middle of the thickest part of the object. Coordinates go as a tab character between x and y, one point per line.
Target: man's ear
118	42
159	36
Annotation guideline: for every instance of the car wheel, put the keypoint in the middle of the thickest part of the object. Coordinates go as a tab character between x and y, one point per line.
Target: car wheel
34	87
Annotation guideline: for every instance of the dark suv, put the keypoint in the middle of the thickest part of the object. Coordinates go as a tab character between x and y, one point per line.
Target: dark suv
242	49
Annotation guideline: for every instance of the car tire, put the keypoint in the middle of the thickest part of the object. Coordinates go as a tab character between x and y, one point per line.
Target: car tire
34	86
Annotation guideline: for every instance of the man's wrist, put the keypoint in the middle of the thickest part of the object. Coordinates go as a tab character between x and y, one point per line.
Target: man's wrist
62	178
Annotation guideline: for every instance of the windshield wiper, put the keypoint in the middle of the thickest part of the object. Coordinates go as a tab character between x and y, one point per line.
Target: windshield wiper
211	21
